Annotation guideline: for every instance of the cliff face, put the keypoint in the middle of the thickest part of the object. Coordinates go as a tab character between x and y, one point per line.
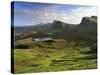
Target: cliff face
88	24
89	20
57	24
87	29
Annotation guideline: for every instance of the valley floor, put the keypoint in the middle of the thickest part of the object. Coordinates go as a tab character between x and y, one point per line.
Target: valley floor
47	59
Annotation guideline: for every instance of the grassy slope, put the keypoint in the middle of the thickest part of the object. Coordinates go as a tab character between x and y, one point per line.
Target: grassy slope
58	56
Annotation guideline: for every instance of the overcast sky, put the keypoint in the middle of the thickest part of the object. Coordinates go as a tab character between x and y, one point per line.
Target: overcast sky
26	13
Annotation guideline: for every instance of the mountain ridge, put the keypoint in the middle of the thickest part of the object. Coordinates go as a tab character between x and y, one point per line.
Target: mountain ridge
58	29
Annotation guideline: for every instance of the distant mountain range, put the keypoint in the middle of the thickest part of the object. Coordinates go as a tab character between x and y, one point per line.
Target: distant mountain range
86	30
56	25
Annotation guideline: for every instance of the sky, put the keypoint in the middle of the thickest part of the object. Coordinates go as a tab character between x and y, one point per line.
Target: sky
30	13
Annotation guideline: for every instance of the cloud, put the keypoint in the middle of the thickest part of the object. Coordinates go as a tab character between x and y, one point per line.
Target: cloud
77	14
71	16
51	13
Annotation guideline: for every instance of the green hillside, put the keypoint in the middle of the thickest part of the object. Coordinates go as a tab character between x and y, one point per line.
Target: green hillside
73	47
57	56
